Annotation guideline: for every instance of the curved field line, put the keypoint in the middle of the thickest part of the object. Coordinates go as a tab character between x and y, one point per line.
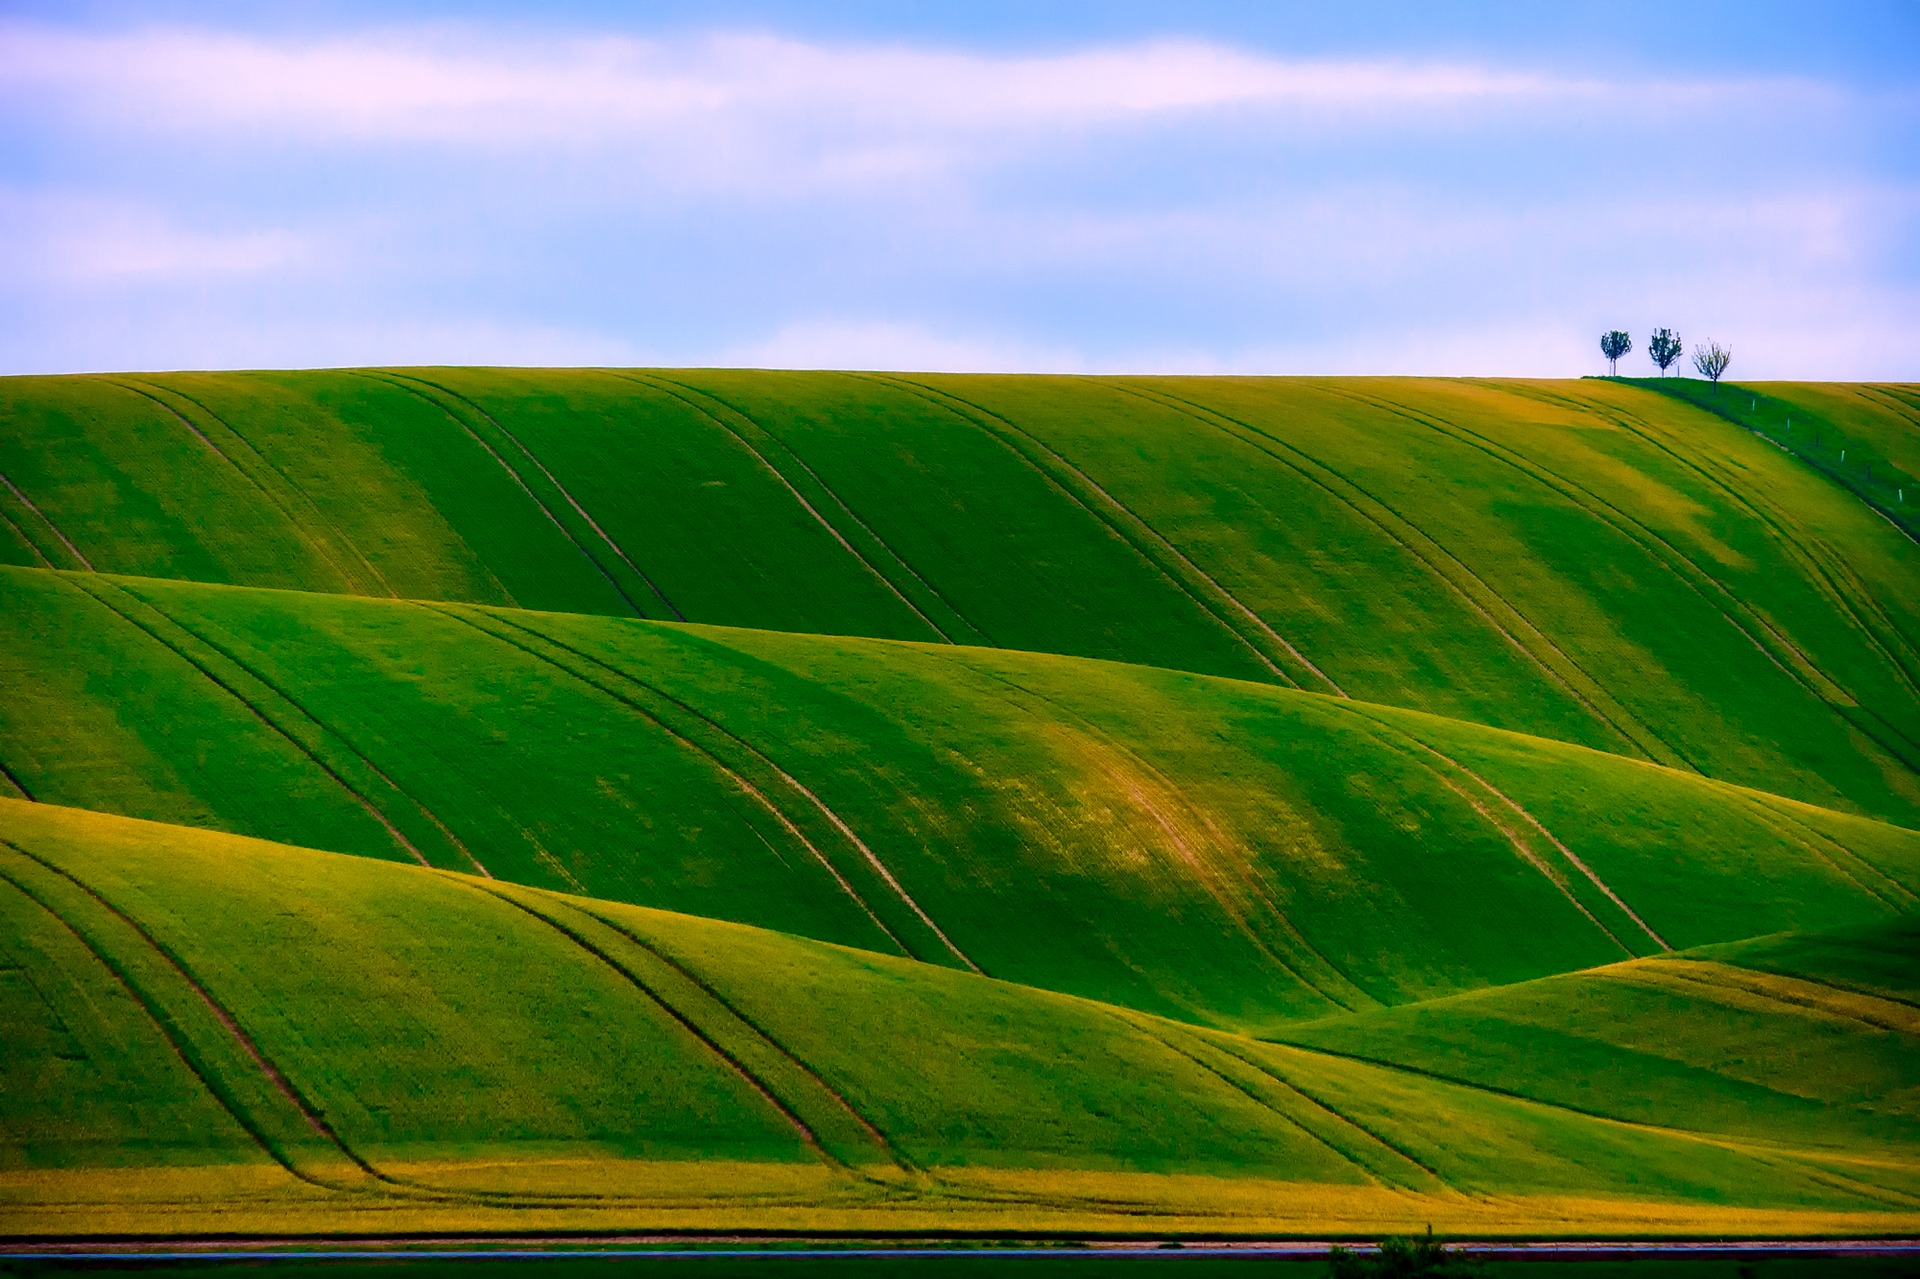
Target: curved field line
1721	1141
1413	531
371	809
236	468
53	528
278	1078
1152	533
13	780
1681	971
1865	594
1821	566
1534	822
880	1138
872	859
1289	1087
974	416
516	478
1392	736
677	391
1838	987
1338	1116
719	765
1806	554
272	1073
1669	556
1772	818
1167	1042
685	1022
446	832
1828	471
162	1022
1595	689
26	541
1809	556
839	501
1823	579
317	516
1217	894
1565	852
579	510
1410	538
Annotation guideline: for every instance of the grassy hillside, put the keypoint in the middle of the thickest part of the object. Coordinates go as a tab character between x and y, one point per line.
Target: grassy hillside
594	800
1775	1038
1223	851
220	1030
1860	436
1591	561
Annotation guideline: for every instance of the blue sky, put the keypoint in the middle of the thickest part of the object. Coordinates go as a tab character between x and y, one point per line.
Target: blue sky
1258	188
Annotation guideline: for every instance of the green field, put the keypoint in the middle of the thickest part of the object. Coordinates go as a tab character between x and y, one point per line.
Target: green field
410	1046
992	1265
511	800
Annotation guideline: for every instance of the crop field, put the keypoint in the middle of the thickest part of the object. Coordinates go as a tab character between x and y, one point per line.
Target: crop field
446	801
973	1263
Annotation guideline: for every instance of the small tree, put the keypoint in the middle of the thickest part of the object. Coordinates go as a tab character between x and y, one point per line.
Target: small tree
1712	360
1664	347
1613	345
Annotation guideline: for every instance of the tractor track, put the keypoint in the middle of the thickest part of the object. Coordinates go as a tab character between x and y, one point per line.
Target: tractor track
686	395
726	770
1186	577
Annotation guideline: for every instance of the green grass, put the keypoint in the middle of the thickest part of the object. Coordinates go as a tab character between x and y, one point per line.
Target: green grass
1221	851
469	801
1584	561
1858	435
400	1045
982	1267
1775	1038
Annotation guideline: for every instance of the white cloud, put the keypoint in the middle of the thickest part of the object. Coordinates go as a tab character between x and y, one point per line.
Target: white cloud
903	347
164	334
92	242
468	86
470	194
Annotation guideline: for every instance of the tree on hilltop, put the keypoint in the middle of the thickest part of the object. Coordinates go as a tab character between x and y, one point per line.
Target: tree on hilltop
1613	345
1664	347
1712	360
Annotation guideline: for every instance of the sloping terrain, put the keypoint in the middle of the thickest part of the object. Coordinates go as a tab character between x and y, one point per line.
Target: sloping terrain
1229	852
381	1045
1782	1038
517	800
1584	561
1861	436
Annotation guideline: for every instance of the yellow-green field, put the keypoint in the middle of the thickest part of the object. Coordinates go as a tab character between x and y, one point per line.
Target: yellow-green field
346	1044
515	801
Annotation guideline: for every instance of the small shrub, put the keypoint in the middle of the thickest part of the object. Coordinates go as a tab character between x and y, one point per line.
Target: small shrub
1412	1257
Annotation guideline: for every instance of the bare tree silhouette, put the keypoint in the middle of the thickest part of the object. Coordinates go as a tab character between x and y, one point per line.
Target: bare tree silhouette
1712	360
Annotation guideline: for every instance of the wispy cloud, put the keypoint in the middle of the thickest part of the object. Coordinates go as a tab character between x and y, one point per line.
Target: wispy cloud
839	343
473	192
93	242
468	86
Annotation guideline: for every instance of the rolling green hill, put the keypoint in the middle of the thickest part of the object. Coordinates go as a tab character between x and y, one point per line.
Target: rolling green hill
1862	437
444	800
1584	561
1225	851
1775	1038
383	1047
